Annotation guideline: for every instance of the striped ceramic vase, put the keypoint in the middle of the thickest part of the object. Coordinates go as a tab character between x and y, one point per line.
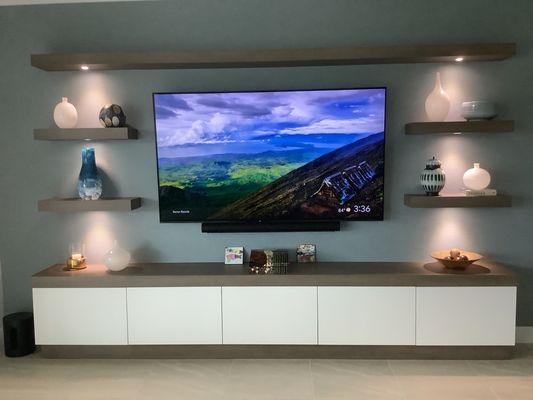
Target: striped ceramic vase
432	177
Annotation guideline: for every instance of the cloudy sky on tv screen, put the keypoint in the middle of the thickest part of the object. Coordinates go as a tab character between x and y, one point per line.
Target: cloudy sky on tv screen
288	155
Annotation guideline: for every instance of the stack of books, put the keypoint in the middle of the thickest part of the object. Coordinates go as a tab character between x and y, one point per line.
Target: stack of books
484	192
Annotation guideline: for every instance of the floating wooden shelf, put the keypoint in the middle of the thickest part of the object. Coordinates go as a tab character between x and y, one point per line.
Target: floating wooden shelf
78	205
491	126
276	58
125	133
423	201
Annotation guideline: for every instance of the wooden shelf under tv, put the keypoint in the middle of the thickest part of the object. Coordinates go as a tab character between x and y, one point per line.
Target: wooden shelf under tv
490	126
78	205
399	54
457	201
125	133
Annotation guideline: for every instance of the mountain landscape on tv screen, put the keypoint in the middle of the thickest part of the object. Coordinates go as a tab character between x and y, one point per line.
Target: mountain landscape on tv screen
271	155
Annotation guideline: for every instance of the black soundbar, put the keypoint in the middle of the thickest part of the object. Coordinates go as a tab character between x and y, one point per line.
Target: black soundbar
298	226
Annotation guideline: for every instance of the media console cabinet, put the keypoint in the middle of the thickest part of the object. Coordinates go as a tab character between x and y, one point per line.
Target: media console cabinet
321	310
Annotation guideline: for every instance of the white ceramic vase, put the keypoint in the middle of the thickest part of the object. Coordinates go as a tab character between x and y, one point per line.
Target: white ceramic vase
117	258
65	114
476	178
478	110
438	102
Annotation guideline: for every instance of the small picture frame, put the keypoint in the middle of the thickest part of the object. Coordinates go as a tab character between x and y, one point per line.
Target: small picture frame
234	255
306	253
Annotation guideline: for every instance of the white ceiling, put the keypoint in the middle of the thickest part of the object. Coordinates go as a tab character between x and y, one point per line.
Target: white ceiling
25	2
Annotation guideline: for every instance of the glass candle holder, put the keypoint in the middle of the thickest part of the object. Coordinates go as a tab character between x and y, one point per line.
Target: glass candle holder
76	259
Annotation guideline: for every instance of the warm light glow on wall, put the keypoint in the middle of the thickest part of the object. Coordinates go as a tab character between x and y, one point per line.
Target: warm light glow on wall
449	231
451	153
94	93
449	227
98	239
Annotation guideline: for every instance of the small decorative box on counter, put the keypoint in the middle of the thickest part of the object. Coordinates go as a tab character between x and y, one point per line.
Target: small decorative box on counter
269	261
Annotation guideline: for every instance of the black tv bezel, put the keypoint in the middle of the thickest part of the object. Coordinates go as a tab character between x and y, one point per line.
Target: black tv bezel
280	221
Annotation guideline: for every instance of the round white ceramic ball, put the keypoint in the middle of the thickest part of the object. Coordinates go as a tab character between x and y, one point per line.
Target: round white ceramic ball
476	178
65	114
117	259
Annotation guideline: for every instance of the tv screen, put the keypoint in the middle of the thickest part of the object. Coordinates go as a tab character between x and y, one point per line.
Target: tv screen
271	156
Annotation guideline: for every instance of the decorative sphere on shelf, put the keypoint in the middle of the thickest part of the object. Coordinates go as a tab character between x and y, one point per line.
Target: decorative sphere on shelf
455	253
65	114
476	178
112	116
117	258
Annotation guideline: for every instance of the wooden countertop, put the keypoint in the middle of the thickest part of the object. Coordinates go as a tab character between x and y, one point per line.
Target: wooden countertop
483	273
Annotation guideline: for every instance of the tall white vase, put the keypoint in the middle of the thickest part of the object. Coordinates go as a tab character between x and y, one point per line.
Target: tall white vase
65	114
438	102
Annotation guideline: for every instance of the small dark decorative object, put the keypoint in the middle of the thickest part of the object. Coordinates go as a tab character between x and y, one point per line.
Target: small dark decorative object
112	116
432	177
19	337
269	261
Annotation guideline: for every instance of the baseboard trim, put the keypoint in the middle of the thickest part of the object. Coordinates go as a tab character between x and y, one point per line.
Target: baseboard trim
524	334
281	351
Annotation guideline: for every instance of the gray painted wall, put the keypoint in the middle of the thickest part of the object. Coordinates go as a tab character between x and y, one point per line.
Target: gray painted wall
30	170
1	307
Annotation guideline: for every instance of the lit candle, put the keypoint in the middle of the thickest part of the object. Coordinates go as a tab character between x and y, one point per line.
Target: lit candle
76	259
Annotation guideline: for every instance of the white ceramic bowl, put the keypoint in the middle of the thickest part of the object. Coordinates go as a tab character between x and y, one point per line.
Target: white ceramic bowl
476	110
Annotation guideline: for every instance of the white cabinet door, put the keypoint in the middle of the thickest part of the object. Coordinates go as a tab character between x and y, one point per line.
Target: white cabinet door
464	316
366	315
269	315
175	315
80	316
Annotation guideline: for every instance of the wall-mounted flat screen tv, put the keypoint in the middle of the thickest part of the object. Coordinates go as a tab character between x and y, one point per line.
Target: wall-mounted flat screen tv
271	155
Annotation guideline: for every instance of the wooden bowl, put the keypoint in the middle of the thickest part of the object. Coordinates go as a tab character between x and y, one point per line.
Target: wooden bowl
441	255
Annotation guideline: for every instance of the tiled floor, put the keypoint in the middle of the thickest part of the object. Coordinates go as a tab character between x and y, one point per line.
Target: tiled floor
33	377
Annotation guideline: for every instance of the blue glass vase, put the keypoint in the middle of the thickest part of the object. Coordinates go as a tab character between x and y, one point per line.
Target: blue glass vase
89	182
